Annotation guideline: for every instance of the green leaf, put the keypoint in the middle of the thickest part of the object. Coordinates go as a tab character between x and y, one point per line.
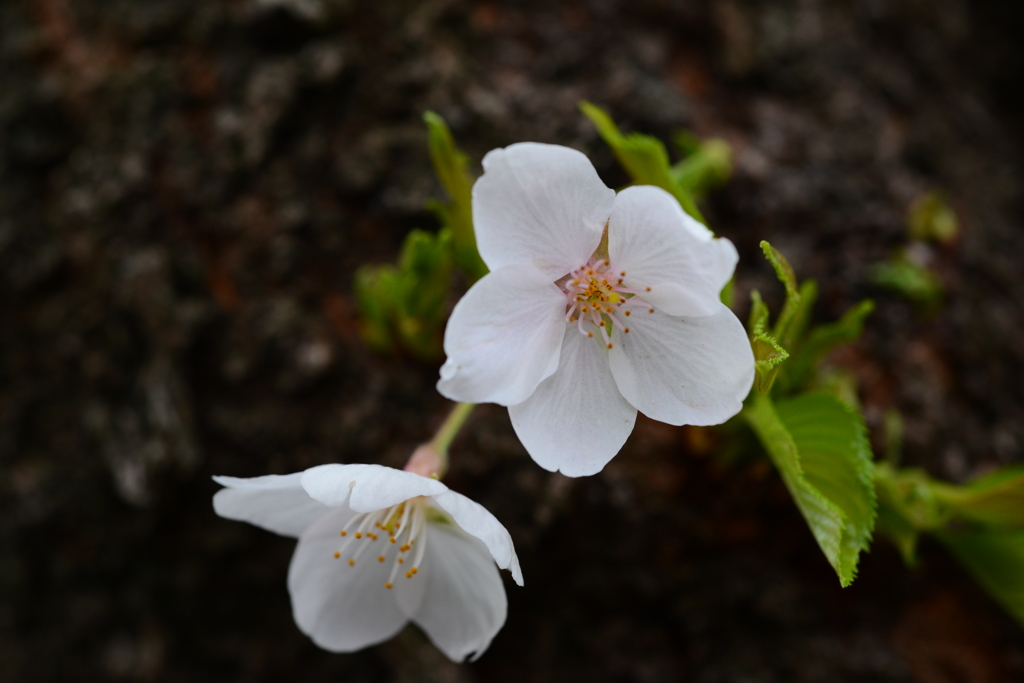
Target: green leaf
848	328
821	340
839	383
407	304
820	448
909	279
728	293
787	277
706	167
425	265
643	157
686	142
421	291
452	168
808	292
898	529
996	559
980	523
768	353
374	288
997	499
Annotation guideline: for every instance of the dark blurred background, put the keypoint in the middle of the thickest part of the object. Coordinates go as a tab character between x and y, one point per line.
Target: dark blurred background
187	186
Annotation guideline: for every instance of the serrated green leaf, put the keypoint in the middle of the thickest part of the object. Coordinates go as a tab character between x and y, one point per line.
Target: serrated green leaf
832	441
819	446
643	157
452	168
997	499
996	559
768	353
783	270
787	277
769	349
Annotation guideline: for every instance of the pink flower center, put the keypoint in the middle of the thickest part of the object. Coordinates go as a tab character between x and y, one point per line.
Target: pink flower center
596	298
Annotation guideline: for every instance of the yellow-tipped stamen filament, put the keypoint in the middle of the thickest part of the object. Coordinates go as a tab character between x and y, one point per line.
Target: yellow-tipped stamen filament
406	526
595	297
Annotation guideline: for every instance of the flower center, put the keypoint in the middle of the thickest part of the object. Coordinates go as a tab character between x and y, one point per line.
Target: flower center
401	526
596	297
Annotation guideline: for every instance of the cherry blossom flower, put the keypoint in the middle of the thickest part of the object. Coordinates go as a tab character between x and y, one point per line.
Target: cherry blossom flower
379	547
597	305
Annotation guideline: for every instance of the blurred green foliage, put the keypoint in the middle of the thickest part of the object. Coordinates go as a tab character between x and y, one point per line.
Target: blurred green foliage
452	168
930	219
405	305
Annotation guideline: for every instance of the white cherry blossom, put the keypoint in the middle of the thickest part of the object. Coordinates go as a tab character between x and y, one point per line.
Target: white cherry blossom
597	305
378	548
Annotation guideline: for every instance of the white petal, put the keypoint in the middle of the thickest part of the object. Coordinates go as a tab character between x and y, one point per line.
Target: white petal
464	605
345	608
366	488
275	502
539	204
684	370
657	244
577	420
476	521
503	337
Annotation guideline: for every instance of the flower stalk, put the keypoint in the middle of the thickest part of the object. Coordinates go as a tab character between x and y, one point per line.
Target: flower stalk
431	459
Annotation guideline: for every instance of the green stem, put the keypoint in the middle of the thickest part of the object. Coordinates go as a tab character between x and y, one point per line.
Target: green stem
448	431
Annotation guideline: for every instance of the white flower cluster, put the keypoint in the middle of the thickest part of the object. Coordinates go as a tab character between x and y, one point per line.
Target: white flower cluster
597	305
